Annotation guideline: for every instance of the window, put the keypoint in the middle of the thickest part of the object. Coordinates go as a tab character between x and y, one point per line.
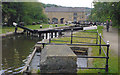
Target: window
75	14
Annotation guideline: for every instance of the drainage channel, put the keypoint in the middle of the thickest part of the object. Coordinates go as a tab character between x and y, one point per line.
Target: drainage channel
81	51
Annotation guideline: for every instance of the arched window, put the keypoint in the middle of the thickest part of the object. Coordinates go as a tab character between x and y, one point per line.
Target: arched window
61	20
75	14
54	20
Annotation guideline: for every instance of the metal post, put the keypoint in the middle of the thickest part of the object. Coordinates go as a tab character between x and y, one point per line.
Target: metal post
60	33
27	33
97	38
39	35
42	35
32	34
51	34
43	45
100	45
46	35
49	38
106	68
55	34
27	67
16	29
71	35
24	30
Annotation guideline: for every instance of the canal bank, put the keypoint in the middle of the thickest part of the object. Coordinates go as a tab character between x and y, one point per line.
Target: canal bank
82	40
10	33
16	50
34	66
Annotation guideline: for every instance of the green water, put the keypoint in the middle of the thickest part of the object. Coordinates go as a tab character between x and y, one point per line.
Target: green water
15	51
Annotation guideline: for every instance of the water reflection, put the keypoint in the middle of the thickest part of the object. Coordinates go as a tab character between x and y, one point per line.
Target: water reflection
16	60
15	50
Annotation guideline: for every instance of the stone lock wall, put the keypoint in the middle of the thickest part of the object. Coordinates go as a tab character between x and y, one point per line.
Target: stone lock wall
58	59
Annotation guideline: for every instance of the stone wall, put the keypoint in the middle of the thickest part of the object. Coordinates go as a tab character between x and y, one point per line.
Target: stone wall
58	59
68	16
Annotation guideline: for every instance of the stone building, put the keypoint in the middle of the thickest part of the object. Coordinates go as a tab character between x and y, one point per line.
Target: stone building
61	15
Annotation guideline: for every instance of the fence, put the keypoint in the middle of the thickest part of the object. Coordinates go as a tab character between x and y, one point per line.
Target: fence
98	43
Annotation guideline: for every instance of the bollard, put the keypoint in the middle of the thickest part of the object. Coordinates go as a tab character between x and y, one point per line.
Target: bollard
40	26
56	25
106	68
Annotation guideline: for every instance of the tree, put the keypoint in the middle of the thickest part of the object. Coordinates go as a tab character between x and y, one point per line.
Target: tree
103	11
26	12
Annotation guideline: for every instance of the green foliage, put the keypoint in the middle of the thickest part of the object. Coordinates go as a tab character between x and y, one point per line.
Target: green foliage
103	11
26	12
38	71
49	5
113	60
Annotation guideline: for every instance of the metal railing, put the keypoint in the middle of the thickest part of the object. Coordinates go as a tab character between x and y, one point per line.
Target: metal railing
98	43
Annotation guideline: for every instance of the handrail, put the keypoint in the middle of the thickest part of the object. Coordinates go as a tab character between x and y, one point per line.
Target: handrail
78	44
104	51
80	37
89	68
102	39
90	56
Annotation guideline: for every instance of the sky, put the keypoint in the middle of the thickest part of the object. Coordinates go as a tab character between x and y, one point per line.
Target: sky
70	3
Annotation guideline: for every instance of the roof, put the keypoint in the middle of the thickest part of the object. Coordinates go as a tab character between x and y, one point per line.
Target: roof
65	9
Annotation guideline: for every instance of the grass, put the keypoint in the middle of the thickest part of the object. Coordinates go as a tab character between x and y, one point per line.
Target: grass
12	29
113	60
75	39
9	29
98	63
44	26
80	34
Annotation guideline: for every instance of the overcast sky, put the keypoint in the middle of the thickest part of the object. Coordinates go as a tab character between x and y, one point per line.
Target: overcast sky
69	3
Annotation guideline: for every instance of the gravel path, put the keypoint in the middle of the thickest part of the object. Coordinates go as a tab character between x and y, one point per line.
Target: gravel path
112	37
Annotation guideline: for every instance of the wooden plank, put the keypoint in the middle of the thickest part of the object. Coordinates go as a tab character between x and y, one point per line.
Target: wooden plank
43	41
29	61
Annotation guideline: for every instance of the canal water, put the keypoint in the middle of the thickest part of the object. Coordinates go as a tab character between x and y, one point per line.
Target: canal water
15	51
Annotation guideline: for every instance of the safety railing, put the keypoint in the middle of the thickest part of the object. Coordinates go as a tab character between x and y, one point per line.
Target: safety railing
98	43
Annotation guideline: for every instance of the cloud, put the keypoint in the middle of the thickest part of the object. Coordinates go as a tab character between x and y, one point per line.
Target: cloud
69	3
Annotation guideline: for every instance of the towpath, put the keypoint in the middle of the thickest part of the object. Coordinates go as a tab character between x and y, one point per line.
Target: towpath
112	37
